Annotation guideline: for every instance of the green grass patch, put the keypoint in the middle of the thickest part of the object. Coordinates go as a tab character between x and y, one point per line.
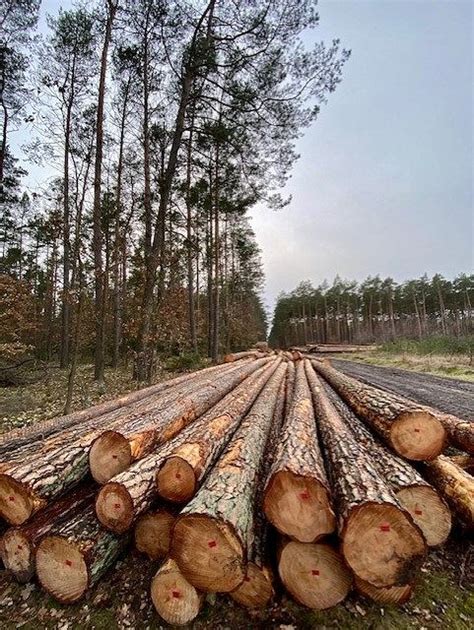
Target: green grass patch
439	345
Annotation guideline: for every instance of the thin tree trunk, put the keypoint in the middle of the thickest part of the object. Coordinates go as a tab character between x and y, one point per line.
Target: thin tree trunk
190	243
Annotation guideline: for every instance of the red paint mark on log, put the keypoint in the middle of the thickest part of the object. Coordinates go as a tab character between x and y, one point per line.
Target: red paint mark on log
20	547
211	544
418	512
176	594
114	456
304	494
315	572
11	498
417	430
385	527
117	506
178	476
68	563
246	579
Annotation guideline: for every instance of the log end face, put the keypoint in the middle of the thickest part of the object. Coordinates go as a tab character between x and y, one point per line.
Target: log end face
153	534
256	590
315	574
174	598
16	504
429	512
114	508
417	435
110	454
61	569
17	555
382	545
391	595
208	553
176	481
299	507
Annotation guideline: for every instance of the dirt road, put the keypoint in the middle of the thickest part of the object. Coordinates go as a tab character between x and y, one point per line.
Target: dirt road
447	394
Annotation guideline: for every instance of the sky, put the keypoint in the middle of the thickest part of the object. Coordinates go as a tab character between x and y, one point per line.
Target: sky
384	180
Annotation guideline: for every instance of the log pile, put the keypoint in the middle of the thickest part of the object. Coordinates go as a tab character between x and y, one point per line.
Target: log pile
235	478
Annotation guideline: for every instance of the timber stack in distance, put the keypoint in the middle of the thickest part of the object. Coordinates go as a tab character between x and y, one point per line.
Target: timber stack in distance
268	468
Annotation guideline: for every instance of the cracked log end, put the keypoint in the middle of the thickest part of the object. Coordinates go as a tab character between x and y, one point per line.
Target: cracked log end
429	512
16	503
382	545
17	555
314	574
208	553
61	569
110	454
256	590
176	480
114	508
298	507
388	595
153	533
417	435
174	598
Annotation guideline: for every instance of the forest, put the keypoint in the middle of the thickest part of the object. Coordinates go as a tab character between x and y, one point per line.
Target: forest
152	128
375	310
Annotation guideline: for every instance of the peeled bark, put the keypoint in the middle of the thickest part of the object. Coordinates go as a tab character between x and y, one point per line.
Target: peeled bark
417	496
18	544
314	574
75	556
456	486
296	498
153	532
182	472
174	598
211	534
389	595
379	540
411	430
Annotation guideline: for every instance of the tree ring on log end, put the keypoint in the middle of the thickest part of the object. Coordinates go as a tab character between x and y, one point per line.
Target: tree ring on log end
315	574
109	455
174	598
17	554
298	507
114	507
16	504
208	553
382	545
176	480
429	512
384	595
61	569
256	590
153	533
417	435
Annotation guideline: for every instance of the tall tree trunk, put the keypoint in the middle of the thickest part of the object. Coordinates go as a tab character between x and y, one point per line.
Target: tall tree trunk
66	310
190	243
216	300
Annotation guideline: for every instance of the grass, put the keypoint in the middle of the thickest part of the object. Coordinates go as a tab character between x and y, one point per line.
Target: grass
438	345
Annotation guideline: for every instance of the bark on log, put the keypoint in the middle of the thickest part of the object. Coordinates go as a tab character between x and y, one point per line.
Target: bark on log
314	574
211	534
390	595
456	486
18	544
174	598
460	432
153	532
296	498
411	430
466	462
113	452
75	556
380	542
248	354
182	472
417	496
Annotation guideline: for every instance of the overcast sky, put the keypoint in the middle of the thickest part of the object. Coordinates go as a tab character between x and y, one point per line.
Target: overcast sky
384	181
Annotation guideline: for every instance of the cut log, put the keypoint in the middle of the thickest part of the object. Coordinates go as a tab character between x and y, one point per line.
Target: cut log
380	542
417	496
411	430
19	543
456	486
314	574
182	472
210	536
466	462
390	595
175	599
27	487
75	556
131	493
112	452
248	354
460	432
296	498
153	533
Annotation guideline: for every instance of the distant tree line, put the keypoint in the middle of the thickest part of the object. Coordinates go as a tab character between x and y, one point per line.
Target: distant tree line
165	122
375	310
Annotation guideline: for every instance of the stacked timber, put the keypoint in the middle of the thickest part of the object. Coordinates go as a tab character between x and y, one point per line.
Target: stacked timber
235	478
